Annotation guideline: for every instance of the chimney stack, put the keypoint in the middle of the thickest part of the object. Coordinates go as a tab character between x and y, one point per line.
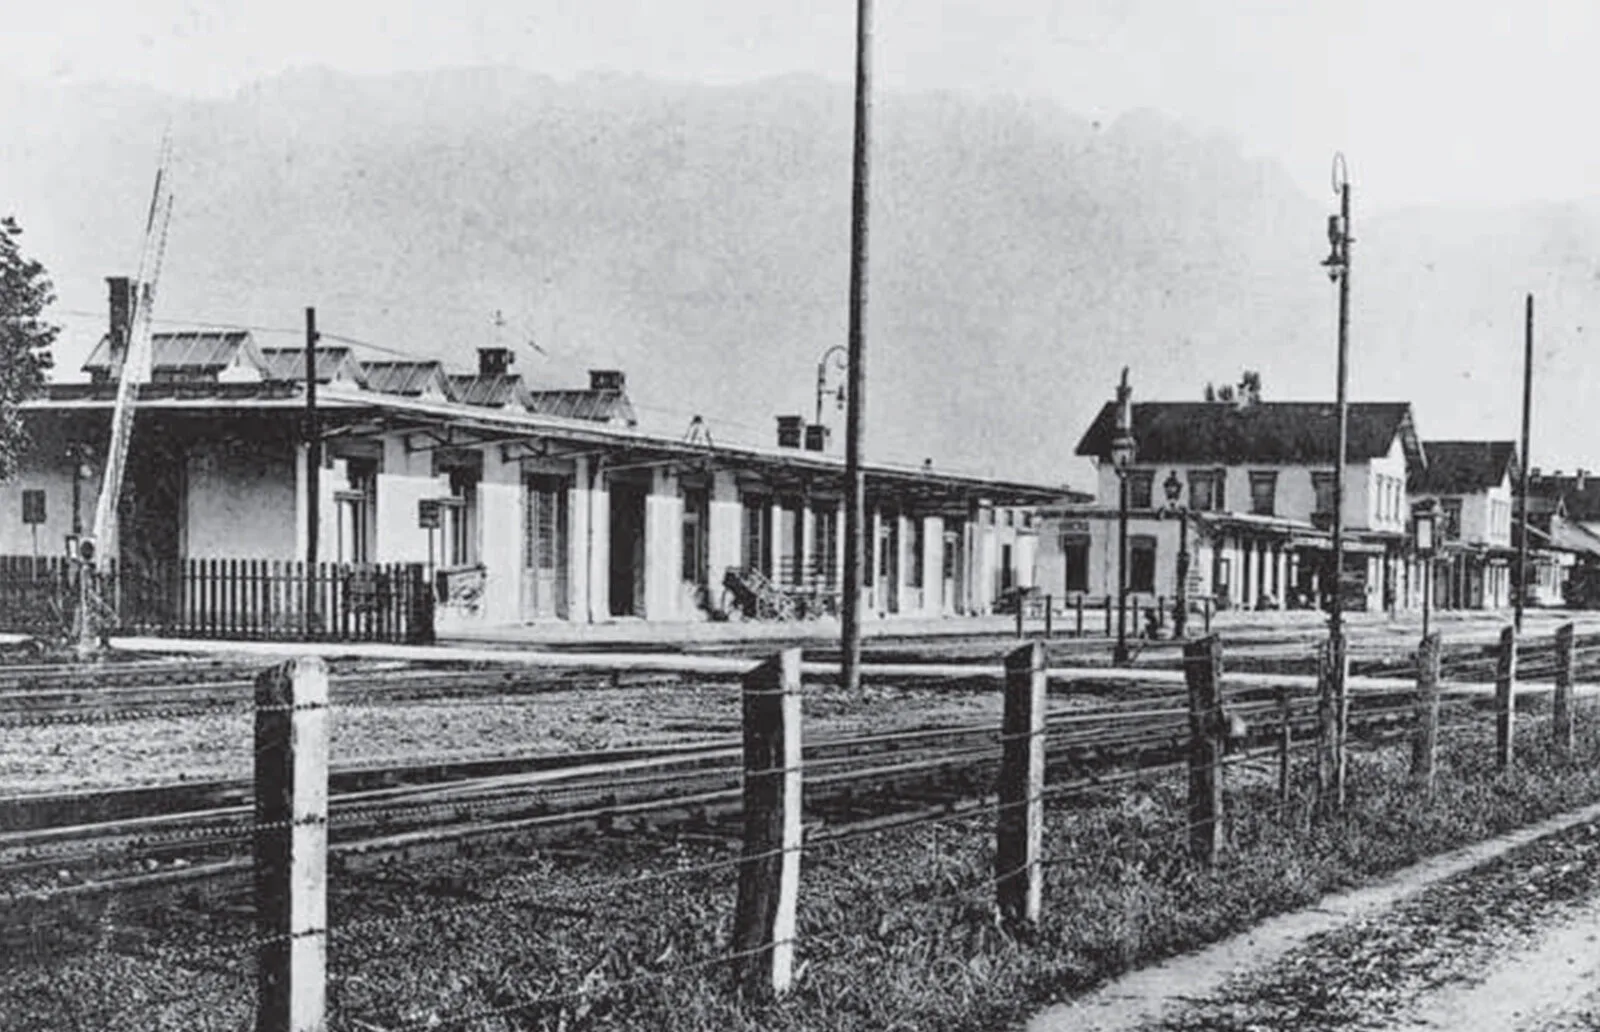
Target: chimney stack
120	327
1583	478
495	361
606	380
789	430
816	437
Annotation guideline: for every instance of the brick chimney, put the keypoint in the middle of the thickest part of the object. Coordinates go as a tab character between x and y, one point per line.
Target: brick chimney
816	437
495	361
789	431
606	380
120	289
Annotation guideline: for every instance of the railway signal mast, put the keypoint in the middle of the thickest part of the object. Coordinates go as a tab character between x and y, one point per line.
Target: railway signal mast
130	362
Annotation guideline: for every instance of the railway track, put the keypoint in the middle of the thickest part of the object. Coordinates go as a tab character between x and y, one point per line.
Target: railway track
72	846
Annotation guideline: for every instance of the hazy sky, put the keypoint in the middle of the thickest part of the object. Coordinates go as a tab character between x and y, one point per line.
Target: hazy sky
1433	100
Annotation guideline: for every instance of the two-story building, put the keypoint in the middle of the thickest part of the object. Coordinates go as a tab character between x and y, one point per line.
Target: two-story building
1471	484
1255	482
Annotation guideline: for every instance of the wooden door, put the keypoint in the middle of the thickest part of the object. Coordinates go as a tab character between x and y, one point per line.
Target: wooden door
544	580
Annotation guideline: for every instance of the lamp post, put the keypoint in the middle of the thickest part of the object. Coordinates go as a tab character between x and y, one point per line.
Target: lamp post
1338	265
1423	525
838	353
1123	449
1174	491
78	454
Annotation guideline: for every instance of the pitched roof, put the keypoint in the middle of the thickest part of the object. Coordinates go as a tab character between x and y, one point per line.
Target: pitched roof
195	351
494	391
603	406
1465	467
1581	504
289	364
406	378
1287	432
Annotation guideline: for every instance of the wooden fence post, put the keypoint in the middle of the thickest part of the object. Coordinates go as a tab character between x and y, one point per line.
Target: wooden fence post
1202	668
1425	736
1285	746
1049	615
769	874
1020	604
1330	719
1020	828
1079	607
1505	702
291	846
1561	705
1108	616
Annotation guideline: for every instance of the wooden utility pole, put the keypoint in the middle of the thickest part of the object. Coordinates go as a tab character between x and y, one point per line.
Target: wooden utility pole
313	472
1522	491
855	505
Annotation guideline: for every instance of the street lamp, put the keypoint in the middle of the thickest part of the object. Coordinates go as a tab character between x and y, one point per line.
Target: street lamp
78	454
1338	265
1173	487
1123	449
1424	524
838	353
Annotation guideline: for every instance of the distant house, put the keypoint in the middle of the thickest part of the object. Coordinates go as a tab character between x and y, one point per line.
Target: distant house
1563	535
1257	479
1471	483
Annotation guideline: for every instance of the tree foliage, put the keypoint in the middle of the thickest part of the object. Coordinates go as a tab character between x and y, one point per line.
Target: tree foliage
25	339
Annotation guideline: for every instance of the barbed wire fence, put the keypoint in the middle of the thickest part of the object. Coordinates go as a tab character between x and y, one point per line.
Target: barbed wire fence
1175	779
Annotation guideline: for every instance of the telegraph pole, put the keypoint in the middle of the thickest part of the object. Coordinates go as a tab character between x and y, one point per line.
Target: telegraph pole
1338	264
855	508
313	471
1522	493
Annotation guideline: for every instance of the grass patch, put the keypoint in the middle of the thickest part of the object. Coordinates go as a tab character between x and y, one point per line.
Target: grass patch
896	930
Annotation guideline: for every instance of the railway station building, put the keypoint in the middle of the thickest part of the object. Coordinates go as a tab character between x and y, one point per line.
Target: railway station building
1251	482
522	504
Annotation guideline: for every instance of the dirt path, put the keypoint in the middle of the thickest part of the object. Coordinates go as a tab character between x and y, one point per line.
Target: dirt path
1503	935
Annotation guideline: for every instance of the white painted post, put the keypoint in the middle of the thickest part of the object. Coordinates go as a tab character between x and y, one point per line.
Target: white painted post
291	846
769	876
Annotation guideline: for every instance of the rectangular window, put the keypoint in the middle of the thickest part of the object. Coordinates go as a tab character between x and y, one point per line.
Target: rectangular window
1450	519
362	476
695	505
1075	556
460	519
757	554
1142	563
1263	492
1322	485
825	549
1205	490
1139	482
789	531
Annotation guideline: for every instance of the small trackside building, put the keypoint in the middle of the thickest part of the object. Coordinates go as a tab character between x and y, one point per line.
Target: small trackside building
526	505
1470	482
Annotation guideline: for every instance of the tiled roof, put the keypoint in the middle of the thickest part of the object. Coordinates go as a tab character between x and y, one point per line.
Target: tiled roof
1465	467
493	391
604	406
1580	503
406	378
197	351
289	364
1283	432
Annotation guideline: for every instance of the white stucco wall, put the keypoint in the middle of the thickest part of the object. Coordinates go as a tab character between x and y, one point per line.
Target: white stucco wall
663	547
243	502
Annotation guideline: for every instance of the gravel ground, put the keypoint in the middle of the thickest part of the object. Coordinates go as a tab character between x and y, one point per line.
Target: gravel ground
1512	945
203	747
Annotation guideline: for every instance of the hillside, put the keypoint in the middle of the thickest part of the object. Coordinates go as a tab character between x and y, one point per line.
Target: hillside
697	237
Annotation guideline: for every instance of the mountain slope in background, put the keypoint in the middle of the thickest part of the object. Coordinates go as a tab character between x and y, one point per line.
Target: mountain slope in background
698	238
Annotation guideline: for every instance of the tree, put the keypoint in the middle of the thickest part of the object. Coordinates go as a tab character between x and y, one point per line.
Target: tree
25	340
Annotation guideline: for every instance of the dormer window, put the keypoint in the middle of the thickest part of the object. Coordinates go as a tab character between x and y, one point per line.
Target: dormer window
1206	492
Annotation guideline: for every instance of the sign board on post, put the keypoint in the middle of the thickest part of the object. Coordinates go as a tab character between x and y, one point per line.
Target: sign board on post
33	507
428	513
